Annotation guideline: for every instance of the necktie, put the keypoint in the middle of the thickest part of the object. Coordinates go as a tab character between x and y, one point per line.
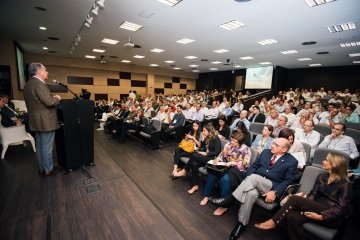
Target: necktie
272	161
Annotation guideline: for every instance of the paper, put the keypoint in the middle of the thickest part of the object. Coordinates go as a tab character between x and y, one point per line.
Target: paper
300	157
218	164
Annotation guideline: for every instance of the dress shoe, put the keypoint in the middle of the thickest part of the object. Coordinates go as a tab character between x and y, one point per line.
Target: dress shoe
222	202
236	232
121	142
54	171
112	137
41	171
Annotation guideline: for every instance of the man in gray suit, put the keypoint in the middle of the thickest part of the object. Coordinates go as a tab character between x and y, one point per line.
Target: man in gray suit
43	119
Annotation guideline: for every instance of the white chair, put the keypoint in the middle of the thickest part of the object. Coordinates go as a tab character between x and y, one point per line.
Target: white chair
20	104
14	134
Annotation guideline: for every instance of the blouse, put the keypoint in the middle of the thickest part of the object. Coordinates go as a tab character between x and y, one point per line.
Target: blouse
352	118
225	131
241	156
336	195
259	144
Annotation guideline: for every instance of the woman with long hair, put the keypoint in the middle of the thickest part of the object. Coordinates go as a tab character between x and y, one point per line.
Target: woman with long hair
265	140
222	128
241	127
236	156
210	147
296	145
192	136
326	204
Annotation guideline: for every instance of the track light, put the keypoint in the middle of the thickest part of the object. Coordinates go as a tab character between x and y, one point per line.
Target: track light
100	3
95	10
76	43
72	48
78	38
89	19
86	24
71	52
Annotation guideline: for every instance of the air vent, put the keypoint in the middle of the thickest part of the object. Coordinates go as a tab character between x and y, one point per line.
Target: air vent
53	38
322	52
309	43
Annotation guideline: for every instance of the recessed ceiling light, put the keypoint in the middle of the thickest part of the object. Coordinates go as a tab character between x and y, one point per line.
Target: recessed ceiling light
185	41
351	44
304	59
246	58
313	3
98	50
130	26
265	63
354	55
42	28
110	41
216	62
45	48
289	52
236	66
138	56
157	50
221	51
309	43
196	70
154	65
170	2
88	56
232	25
190	57
125	61
342	27
213	69
315	64
169	61
267	41
322	52
356	61
193	66
176	68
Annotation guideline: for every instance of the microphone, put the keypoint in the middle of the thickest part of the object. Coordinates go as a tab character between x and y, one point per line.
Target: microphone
59	83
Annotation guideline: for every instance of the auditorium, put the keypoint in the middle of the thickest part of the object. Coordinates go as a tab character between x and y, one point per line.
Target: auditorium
180	119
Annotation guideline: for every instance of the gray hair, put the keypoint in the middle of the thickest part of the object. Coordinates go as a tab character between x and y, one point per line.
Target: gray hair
285	118
33	68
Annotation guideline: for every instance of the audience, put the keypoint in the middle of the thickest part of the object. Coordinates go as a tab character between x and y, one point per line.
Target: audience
282	121
222	128
265	140
308	135
243	119
272	119
256	115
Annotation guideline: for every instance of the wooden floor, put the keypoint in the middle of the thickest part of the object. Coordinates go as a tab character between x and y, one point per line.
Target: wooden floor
137	199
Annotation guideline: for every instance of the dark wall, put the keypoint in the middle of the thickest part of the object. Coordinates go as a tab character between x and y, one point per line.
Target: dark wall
331	78
224	80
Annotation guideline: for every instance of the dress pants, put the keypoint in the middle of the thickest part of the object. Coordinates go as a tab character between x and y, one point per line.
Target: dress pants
194	163
225	187
44	147
165	131
290	215
125	127
178	154
248	192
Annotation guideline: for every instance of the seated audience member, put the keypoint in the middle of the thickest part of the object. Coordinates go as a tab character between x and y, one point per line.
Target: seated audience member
162	115
222	128
265	140
306	109
329	95
330	107
311	98
204	109
188	113
241	127
299	122
326	204
226	111
336	99
119	119
267	110
272	118
223	104
268	176
308	135
350	115
8	114
233	98
238	106
192	136
331	119
236	156
296	146
177	121
212	114
256	115
252	106
301	105
321	93
323	112
243	119
210	147
198	115
290	116
131	124
280	126
280	107
312	116
336	140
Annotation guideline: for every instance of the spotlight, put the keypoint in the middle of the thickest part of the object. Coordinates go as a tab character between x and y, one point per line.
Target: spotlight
100	3
71	52
72	48
87	24
76	43
89	19
95	10
78	38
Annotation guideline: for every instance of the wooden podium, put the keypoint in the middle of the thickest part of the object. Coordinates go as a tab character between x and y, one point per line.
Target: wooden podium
75	137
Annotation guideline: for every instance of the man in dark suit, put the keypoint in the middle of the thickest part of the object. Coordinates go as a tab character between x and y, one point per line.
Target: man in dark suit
7	114
268	176
42	116
256	115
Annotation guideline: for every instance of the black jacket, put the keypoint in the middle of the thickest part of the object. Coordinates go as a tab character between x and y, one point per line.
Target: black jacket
260	118
6	115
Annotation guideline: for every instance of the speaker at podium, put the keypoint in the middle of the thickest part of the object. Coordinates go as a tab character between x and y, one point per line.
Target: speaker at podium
75	138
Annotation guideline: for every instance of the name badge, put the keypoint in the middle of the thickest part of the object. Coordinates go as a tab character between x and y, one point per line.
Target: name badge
174	121
330	146
304	140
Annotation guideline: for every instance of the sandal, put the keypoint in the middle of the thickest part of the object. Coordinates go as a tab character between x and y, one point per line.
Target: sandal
220	211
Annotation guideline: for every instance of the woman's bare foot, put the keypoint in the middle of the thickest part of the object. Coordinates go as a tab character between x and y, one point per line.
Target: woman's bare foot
113	131
268	225
193	189
181	173
220	211
204	201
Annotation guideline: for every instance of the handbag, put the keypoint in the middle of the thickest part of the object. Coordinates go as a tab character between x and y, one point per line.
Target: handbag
187	146
149	129
217	170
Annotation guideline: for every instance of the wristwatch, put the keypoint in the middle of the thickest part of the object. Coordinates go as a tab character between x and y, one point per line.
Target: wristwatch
275	193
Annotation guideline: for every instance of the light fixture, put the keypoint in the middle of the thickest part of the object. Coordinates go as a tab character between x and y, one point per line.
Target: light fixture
130	26
342	27
246	58
265	63
304	59
89	56
354	55
267	41
190	57
169	61
356	61
45	48
196	70
86	24
154	65
289	52
100	3
185	41
236	66
170	3
98	50
157	50
213	69
176	68
125	61
42	28
89	19
313	3
71	52
351	44
216	62
232	25
193	66
221	51
110	41
138	56
95	10
78	38
315	64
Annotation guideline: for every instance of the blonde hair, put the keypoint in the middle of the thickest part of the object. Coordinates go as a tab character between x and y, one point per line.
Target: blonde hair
212	133
338	167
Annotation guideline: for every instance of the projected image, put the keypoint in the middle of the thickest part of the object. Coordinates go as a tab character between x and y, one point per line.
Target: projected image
258	78
20	62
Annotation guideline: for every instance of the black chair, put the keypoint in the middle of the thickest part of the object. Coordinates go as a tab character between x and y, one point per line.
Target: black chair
154	137
324	130
321	153
352	125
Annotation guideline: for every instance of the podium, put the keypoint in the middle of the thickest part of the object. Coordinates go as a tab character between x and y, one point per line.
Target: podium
75	138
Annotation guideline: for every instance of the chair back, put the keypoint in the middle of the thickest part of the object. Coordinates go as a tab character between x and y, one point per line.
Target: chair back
231	132
321	138
20	104
321	153
254	155
324	101
145	120
352	125
153	114
257	127
354	134
157	124
324	130
223	143
308	178
307	148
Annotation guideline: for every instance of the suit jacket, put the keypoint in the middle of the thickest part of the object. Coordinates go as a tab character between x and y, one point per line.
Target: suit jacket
124	114
214	147
260	118
6	115
41	106
281	174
